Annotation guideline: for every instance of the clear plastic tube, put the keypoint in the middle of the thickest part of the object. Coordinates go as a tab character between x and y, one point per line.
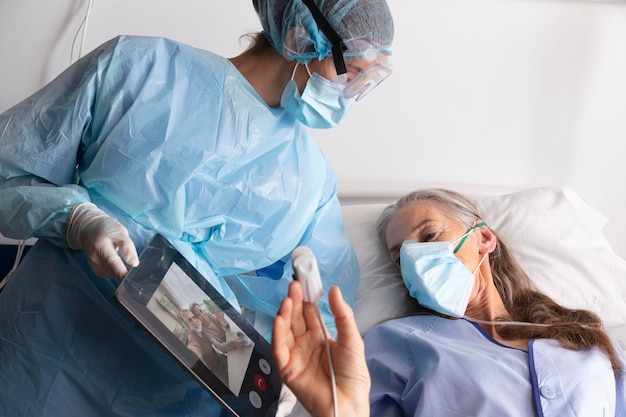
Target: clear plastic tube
518	323
505	323
81	28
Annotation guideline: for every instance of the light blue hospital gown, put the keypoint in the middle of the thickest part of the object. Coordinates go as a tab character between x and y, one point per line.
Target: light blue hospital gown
429	366
164	138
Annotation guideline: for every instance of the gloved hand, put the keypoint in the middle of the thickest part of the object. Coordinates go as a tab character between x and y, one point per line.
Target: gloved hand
101	236
286	402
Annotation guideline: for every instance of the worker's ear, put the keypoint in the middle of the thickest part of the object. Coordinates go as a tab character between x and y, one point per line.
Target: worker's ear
488	240
290	43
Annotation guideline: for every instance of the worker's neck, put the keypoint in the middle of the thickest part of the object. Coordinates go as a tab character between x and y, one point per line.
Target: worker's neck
267	71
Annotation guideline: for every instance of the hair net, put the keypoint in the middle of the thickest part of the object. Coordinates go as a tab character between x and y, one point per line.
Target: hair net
361	24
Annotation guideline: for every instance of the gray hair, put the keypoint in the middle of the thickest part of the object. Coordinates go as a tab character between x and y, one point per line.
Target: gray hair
453	205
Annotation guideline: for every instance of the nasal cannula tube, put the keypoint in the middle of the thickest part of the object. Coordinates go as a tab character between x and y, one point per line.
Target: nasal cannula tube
515	323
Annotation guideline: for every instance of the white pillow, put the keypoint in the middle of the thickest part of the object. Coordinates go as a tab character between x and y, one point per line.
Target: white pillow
556	237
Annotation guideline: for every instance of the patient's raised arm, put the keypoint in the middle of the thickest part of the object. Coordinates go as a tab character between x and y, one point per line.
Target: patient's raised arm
300	354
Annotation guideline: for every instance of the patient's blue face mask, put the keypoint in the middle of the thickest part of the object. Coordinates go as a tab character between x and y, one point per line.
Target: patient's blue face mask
321	105
436	277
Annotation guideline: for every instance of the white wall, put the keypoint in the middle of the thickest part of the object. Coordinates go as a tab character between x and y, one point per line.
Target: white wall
516	93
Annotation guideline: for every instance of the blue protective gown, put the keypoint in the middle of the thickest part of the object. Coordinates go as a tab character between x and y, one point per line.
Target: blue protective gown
431	366
165	138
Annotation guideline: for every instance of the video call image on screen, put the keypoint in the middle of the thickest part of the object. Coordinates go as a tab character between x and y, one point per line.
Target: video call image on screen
197	322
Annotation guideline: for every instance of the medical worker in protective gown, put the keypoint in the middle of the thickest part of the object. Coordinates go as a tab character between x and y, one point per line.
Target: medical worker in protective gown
146	135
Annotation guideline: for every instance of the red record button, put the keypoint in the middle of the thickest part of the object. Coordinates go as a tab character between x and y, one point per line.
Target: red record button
259	382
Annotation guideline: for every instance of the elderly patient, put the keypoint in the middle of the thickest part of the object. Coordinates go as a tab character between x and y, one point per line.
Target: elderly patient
483	341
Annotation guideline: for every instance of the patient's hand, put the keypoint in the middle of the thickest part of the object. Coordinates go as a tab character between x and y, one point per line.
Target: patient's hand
300	355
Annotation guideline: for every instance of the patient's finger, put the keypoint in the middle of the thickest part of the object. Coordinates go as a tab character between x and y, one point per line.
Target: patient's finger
298	324
284	314
310	317
282	341
347	329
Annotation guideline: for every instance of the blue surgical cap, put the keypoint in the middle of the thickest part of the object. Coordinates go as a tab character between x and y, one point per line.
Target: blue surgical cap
290	28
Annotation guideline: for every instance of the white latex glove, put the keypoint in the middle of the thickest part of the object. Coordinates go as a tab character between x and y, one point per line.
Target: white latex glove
101	236
286	402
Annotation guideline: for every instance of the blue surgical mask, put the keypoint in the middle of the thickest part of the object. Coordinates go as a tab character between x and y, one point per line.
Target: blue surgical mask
321	105
436	277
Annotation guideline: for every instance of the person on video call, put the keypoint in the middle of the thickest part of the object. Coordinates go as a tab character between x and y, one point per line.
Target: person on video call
199	344
214	327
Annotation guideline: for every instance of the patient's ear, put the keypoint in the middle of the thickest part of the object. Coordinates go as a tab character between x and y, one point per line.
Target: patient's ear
488	240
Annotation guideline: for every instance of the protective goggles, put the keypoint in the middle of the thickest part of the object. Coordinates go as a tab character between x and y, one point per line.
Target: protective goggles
367	79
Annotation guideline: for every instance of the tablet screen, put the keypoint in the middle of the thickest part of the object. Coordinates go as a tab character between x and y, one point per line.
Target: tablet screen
201	330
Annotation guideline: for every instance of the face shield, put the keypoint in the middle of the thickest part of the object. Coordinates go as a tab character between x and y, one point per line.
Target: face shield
365	80
356	33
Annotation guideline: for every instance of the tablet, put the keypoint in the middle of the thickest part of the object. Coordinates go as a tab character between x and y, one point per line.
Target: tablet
209	338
